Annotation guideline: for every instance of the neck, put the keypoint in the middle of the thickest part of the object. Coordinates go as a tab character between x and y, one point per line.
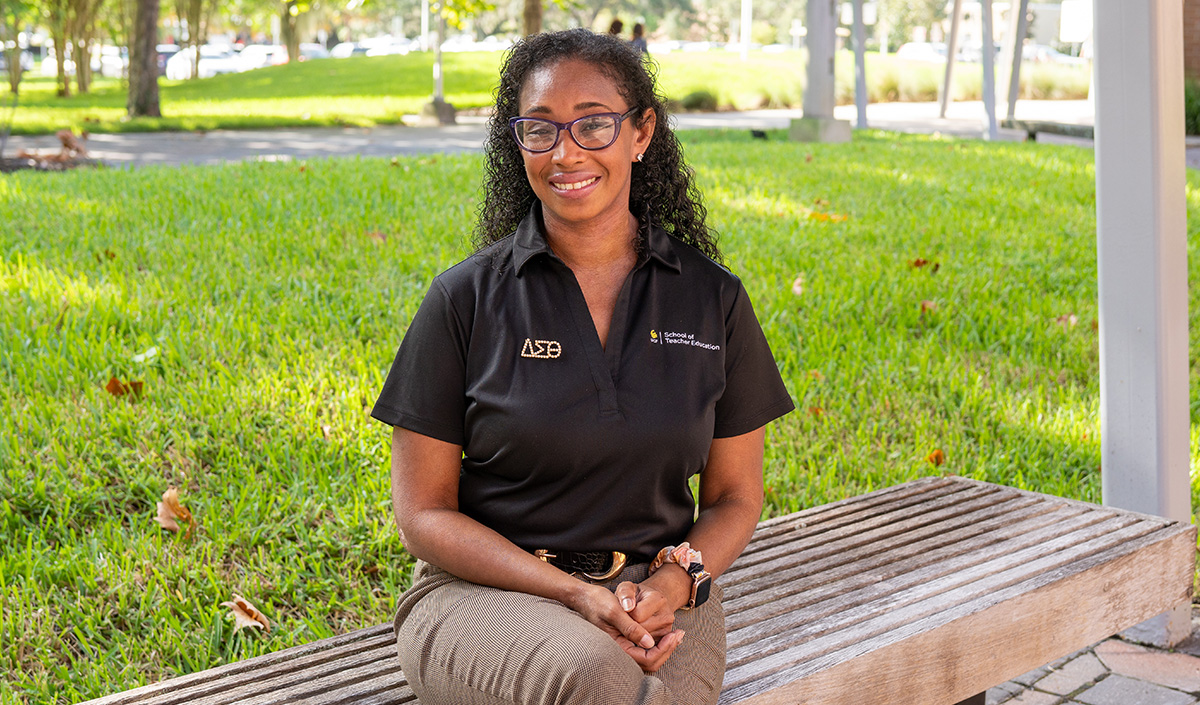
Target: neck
601	243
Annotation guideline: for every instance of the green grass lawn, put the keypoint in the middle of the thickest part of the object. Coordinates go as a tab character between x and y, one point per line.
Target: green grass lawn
260	306
366	91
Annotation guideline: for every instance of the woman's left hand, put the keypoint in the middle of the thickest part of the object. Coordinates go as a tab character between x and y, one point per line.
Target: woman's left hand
652	603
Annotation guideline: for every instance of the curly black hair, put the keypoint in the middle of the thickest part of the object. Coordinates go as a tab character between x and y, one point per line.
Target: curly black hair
662	185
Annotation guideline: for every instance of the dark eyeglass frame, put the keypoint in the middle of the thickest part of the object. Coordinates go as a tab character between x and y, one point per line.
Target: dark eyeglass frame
560	126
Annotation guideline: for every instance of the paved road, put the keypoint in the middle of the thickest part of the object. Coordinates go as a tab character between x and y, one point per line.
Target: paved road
174	148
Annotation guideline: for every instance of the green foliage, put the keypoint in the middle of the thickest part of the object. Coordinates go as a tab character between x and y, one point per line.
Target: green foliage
261	304
699	100
1191	106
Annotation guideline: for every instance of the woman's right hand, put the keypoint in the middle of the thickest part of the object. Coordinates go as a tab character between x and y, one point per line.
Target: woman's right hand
601	607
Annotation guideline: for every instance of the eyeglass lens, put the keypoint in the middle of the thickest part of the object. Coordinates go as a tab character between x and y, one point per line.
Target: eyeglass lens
591	132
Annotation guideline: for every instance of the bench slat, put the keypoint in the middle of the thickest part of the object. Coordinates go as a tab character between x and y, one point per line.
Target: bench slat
913	589
951	654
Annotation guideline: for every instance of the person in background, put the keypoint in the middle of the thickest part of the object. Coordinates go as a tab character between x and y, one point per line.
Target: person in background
615	28
638	43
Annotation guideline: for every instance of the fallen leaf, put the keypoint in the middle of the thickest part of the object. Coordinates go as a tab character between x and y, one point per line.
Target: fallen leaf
929	306
918	263
815	411
303	168
816	374
808	157
377	236
246	614
170	509
1067	320
1095	326
117	388
798	285
828	217
326	430
937	457
820	201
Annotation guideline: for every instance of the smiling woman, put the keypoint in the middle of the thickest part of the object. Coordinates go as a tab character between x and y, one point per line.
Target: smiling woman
544	436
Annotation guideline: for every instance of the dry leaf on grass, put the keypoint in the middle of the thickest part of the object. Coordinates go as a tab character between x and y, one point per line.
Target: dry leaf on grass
246	614
815	411
828	217
171	512
1067	320
937	457
929	306
117	388
798	285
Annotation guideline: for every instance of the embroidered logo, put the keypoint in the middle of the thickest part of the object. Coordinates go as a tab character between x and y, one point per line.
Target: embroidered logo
541	349
667	337
654	337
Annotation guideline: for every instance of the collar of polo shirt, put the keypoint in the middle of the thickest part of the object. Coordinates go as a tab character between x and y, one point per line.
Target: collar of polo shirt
530	240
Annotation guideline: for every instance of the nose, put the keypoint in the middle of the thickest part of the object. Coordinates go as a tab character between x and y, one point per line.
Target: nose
567	151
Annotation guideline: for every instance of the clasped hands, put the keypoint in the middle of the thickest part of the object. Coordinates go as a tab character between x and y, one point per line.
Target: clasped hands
640	617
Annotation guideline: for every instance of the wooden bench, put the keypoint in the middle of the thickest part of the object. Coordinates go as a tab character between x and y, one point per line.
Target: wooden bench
926	593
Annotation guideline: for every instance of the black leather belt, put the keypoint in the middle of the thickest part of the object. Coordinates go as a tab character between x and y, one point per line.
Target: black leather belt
596	566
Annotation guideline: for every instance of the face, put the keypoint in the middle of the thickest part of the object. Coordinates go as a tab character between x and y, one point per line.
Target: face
579	186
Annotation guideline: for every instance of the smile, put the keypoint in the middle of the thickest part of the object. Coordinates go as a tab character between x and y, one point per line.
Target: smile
575	185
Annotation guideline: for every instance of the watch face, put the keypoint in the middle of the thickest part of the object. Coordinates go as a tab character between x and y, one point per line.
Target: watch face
700	590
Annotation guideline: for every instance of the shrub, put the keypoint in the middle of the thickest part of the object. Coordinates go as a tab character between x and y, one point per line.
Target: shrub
699	100
1191	106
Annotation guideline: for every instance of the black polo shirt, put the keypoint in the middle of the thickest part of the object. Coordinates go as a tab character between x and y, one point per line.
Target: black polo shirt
566	444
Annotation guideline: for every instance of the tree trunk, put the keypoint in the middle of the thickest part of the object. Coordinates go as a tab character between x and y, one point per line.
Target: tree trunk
195	23
291	33
57	15
532	17
143	62
13	54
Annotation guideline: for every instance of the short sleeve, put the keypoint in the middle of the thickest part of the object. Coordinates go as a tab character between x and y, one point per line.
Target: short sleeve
754	391
425	389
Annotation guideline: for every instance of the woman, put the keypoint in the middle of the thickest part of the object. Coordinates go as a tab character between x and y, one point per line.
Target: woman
555	392
638	41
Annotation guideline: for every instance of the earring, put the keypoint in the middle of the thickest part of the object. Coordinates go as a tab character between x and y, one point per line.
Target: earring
639	157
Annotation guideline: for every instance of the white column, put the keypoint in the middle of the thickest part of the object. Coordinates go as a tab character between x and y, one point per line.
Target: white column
951	58
822	28
989	69
747	22
425	10
1141	219
860	66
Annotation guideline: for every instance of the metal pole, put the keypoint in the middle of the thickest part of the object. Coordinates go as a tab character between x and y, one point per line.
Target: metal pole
1141	219
951	57
860	67
438	95
1018	25
989	70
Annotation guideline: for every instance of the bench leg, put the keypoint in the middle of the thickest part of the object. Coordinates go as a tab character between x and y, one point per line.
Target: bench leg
979	699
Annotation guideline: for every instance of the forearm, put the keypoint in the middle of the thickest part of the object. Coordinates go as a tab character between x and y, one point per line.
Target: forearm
469	550
720	533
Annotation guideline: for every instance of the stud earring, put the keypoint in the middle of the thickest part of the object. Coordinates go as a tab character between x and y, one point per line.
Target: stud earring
639	157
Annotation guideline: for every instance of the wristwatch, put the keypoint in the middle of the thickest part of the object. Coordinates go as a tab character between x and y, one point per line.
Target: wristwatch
701	585
692	562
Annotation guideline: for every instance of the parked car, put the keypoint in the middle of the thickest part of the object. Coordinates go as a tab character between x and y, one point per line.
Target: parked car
1042	54
311	51
256	56
388	46
345	50
165	52
214	60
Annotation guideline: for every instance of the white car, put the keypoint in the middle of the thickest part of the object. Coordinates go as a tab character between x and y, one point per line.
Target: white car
256	56
393	46
922	51
214	60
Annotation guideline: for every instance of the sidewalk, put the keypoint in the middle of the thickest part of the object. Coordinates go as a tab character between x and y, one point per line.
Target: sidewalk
1113	672
176	148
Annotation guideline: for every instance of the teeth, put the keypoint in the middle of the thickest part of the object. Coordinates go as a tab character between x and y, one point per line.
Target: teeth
576	185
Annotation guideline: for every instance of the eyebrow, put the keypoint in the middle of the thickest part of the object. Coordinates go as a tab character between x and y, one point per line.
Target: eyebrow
578	106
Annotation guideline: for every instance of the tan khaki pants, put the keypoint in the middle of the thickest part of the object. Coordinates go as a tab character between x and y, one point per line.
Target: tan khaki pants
466	644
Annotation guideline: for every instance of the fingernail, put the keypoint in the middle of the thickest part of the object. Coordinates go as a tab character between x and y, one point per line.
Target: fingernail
681	635
647	642
627	604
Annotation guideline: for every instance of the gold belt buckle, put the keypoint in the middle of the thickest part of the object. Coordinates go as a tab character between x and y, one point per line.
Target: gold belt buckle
618	564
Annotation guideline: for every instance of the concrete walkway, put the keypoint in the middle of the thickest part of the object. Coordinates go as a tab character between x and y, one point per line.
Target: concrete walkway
1113	672
175	148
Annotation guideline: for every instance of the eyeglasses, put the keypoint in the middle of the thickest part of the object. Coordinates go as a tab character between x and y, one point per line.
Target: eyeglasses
596	131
